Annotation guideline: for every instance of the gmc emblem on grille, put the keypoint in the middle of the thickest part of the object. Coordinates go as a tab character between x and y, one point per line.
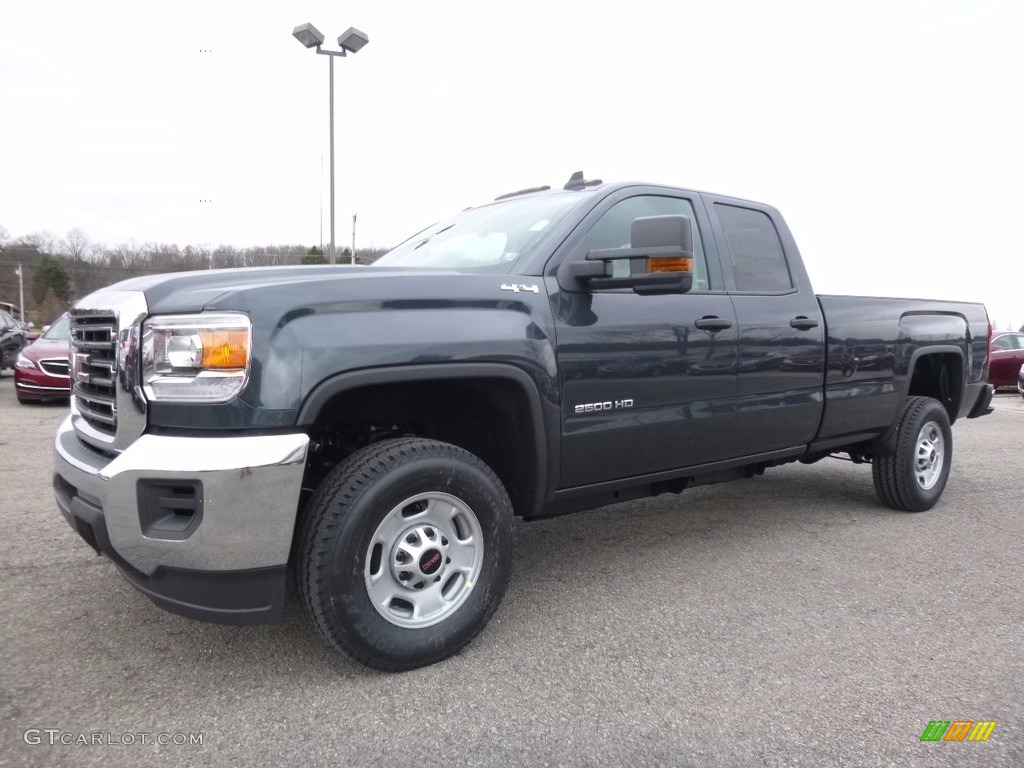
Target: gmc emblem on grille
78	361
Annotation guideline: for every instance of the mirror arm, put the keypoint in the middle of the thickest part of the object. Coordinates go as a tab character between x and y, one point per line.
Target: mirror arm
649	252
587	270
667	282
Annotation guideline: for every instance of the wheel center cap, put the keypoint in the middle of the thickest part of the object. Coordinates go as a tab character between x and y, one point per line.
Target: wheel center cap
430	561
420	555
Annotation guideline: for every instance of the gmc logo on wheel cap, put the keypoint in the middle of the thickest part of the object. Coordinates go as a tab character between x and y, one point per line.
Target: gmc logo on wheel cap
430	561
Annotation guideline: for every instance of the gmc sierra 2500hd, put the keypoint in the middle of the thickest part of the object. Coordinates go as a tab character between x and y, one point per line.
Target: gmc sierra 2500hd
373	430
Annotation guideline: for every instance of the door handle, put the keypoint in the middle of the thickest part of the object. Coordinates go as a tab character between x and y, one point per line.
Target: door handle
712	323
802	323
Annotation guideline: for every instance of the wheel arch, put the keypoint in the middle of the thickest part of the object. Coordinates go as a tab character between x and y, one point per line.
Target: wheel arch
939	372
477	396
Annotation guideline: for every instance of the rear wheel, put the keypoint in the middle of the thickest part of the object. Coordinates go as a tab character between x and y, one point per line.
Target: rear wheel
405	552
913	476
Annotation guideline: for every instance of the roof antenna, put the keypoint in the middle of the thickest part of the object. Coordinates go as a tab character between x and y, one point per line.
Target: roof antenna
577	182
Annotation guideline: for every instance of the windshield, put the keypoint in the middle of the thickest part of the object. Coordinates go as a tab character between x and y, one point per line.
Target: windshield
59	331
491	238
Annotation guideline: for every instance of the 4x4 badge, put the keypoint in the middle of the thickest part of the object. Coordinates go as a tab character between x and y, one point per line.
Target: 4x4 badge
517	288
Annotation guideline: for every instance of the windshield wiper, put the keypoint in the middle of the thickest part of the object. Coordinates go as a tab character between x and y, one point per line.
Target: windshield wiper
427	239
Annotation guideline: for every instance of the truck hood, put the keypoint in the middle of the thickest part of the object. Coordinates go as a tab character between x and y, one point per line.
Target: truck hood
195	291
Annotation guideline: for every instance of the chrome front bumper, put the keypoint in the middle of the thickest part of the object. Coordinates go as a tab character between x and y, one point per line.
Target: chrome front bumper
250	495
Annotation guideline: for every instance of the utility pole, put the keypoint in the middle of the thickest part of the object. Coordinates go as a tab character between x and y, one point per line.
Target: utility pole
21	291
353	238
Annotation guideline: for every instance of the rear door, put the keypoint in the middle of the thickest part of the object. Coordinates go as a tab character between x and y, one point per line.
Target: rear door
647	381
781	331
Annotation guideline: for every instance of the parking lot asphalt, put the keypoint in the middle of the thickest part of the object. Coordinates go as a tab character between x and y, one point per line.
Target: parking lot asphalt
786	620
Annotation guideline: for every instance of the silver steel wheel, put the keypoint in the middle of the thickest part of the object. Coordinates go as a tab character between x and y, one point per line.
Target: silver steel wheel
928	457
424	559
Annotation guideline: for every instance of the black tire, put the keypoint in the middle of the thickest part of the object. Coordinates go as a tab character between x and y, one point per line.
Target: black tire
366	500
912	477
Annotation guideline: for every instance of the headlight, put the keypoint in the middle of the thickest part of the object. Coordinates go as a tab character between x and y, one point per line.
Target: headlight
195	358
24	362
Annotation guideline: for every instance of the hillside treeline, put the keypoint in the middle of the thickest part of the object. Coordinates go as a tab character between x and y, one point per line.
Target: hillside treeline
57	271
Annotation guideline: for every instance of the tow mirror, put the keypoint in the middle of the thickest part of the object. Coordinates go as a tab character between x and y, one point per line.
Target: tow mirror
659	259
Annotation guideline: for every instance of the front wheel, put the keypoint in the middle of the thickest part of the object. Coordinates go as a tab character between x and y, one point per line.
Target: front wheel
913	476
405	552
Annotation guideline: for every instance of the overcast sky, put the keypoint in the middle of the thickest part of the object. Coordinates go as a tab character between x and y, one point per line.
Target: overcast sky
888	133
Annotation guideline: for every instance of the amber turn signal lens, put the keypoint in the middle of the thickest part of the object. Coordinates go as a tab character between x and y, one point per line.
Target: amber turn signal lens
673	264
225	349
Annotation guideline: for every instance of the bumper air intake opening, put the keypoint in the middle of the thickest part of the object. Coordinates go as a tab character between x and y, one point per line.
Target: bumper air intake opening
170	510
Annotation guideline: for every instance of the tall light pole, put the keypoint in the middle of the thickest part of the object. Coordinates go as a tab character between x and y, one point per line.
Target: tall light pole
350	41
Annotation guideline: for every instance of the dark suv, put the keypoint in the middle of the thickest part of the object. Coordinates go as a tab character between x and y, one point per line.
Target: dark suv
12	339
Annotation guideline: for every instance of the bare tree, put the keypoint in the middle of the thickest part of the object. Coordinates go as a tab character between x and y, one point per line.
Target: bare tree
273	255
43	242
163	257
226	256
76	245
194	257
130	256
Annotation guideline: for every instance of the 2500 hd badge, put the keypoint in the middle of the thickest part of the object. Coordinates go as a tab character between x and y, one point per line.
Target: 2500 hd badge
607	405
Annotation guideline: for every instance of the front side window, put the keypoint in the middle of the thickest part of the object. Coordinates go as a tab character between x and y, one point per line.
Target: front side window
614	230
491	238
758	261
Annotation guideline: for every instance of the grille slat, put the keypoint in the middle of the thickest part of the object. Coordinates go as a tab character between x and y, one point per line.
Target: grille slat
99	345
100	385
55	367
94	414
94	356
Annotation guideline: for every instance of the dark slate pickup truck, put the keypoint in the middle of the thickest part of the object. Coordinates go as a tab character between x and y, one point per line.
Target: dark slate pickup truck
372	431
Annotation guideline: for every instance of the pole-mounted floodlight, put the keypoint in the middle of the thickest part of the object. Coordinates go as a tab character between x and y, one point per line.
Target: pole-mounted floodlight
350	41
308	35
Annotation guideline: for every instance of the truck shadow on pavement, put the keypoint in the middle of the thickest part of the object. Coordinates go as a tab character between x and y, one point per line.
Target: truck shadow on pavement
565	566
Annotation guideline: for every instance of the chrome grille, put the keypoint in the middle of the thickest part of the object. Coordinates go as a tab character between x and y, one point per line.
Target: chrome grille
94	368
55	367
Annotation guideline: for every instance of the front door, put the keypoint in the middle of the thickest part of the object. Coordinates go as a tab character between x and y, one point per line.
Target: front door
648	381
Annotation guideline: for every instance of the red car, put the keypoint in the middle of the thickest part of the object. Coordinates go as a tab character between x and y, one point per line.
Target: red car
1006	355
41	372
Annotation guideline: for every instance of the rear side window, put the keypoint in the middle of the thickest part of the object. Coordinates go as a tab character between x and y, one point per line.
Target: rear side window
1009	341
758	262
